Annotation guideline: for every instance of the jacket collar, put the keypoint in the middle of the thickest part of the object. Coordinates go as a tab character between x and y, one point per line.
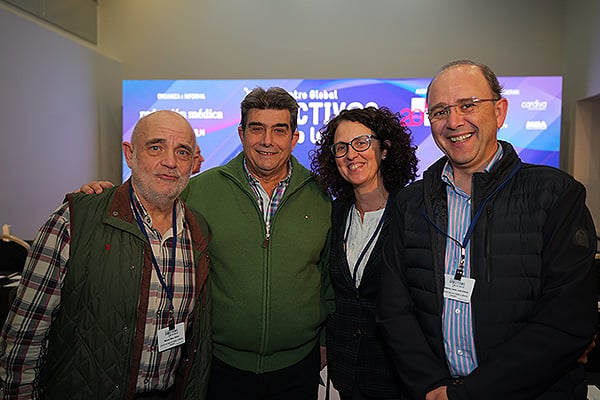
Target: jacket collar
121	214
485	182
120	207
235	170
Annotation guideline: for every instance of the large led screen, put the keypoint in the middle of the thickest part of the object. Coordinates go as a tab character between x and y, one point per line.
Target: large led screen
213	109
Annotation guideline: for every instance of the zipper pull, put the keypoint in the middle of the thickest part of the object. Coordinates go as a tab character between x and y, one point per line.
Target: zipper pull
267	236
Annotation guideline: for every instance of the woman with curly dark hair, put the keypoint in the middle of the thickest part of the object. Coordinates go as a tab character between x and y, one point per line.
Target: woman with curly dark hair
362	158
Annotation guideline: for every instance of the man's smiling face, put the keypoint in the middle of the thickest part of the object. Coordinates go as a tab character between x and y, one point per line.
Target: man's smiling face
268	143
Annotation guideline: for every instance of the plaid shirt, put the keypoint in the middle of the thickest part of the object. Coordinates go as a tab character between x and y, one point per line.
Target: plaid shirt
23	340
262	196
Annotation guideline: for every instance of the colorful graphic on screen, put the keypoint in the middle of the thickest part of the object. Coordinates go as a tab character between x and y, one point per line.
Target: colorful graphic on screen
213	109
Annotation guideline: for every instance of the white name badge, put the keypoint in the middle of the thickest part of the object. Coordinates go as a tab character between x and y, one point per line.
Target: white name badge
458	290
169	338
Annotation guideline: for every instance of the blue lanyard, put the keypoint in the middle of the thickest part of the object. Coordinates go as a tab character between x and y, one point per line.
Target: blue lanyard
461	265
167	288
364	250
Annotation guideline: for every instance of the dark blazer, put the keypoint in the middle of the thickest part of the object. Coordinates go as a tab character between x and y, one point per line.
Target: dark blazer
355	350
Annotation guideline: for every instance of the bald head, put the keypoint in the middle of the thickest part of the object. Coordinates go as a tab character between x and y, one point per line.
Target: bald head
164	117
486	71
160	156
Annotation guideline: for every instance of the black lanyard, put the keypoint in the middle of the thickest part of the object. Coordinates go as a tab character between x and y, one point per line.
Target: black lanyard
167	288
461	264
364	250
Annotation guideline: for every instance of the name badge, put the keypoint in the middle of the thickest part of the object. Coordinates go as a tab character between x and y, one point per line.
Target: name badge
169	338
458	290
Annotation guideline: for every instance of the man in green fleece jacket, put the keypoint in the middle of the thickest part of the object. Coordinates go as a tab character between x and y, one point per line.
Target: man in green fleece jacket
269	223
269	250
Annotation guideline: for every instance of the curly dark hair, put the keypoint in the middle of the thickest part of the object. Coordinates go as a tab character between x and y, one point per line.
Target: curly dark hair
397	170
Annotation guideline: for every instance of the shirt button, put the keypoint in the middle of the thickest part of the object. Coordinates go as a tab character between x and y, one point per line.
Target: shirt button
457	311
459	352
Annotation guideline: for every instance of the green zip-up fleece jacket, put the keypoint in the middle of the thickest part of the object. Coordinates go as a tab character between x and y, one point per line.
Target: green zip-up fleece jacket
96	339
269	296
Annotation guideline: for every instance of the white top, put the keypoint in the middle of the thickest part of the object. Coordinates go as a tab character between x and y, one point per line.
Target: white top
358	234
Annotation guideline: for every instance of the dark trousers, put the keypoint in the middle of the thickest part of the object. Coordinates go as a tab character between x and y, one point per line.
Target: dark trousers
358	395
156	394
296	382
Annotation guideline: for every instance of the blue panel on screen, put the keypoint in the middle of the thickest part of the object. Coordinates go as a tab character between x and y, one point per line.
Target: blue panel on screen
213	109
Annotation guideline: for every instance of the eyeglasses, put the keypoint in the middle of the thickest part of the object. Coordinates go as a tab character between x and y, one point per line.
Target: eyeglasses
463	107
359	144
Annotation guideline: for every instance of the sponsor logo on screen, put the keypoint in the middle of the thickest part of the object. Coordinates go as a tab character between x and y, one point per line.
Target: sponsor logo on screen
534	105
511	92
536	125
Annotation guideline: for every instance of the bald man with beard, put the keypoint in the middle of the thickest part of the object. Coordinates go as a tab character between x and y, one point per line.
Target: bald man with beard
114	301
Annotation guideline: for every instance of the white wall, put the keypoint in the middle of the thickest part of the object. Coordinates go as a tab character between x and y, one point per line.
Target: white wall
587	147
581	111
60	111
328	38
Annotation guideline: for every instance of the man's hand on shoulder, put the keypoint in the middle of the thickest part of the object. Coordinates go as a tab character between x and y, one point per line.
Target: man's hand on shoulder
95	187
